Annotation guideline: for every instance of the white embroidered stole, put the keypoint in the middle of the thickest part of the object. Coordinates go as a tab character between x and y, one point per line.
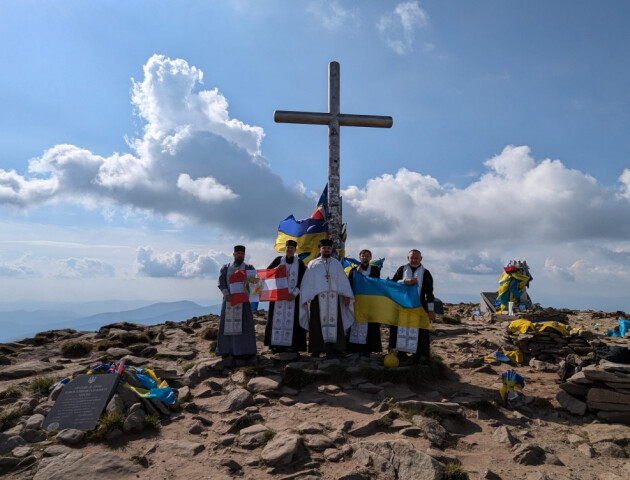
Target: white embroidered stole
284	310
233	324
407	337
359	330
328	308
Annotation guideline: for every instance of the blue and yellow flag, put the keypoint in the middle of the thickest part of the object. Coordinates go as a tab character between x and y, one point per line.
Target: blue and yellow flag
307	233
382	301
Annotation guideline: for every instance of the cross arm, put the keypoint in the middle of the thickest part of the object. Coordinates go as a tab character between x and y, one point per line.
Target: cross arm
284	116
376	121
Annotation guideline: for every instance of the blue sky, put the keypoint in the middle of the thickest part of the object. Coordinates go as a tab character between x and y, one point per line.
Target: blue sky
138	144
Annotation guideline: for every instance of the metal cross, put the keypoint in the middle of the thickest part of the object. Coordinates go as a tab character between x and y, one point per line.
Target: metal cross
334	120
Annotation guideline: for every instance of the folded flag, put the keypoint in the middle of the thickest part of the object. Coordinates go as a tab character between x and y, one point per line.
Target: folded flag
307	233
350	263
378	300
265	285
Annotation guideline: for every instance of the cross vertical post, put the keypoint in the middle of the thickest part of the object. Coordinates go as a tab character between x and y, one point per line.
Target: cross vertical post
334	119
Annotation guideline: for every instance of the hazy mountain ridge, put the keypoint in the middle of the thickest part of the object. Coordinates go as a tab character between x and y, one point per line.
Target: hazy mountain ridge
19	324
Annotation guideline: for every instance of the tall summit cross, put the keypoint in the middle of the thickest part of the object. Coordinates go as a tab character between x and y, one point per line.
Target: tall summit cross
334	120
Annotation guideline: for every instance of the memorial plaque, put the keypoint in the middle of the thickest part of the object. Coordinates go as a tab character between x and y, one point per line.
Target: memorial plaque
81	402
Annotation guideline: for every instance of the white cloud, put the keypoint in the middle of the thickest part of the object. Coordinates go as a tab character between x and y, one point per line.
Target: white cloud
192	153
332	14
516	200
625	181
206	189
82	268
398	28
175	264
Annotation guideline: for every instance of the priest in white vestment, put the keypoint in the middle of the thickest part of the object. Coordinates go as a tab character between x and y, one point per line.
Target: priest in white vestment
330	313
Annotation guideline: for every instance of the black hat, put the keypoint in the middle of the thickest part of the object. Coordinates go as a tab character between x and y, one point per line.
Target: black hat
239	248
325	242
291	243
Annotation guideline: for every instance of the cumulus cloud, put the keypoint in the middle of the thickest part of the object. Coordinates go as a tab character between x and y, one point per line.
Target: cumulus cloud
175	264
398	28
192	155
476	264
332	14
624	179
516	200
82	268
11	270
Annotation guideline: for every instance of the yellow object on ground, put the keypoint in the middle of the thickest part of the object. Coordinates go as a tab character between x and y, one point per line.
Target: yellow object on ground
391	360
515	356
522	326
560	327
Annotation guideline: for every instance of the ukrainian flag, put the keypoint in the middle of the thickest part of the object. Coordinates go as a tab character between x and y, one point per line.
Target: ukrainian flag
382	301
307	233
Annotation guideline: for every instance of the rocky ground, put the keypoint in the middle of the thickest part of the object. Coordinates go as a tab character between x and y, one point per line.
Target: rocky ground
282	417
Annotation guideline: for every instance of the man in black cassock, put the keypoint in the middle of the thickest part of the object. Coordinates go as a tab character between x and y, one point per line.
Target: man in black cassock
415	340
283	331
365	337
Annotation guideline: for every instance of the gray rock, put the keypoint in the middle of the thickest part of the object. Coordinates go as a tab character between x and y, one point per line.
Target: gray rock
317	442
253	436
135	421
570	403
196	428
367	427
333	455
574	439
232	465
226	440
310	427
70	436
21	452
117	353
7	464
503	435
401	459
9	442
529	455
34	422
280	449
33	436
115	405
586	450
54	394
27	369
204	370
368	387
183	393
441	456
234	401
263	384
604	395
609	449
180	448
434	432
488	474
95	466
599	432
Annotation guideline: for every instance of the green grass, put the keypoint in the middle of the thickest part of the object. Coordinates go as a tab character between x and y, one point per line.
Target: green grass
8	418
73	349
213	347
268	435
152	421
210	333
41	385
454	471
106	424
188	366
132	338
8	350
11	392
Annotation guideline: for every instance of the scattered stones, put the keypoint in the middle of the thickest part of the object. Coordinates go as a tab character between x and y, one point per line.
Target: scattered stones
280	449
252	437
70	436
93	466
399	459
234	401
530	455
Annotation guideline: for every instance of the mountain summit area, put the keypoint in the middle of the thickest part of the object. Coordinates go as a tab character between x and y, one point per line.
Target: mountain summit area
285	416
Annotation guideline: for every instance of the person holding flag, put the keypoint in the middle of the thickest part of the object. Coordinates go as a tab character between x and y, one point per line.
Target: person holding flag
236	325
415	340
283	331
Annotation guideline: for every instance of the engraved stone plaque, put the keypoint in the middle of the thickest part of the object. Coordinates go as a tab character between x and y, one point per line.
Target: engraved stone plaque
81	402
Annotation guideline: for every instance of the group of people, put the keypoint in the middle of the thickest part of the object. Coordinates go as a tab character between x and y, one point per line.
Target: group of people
320	304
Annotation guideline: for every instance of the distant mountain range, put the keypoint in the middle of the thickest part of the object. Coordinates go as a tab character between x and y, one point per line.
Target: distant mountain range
22	323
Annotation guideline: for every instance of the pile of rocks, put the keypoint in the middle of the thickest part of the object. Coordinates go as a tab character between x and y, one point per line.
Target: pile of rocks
550	345
603	390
